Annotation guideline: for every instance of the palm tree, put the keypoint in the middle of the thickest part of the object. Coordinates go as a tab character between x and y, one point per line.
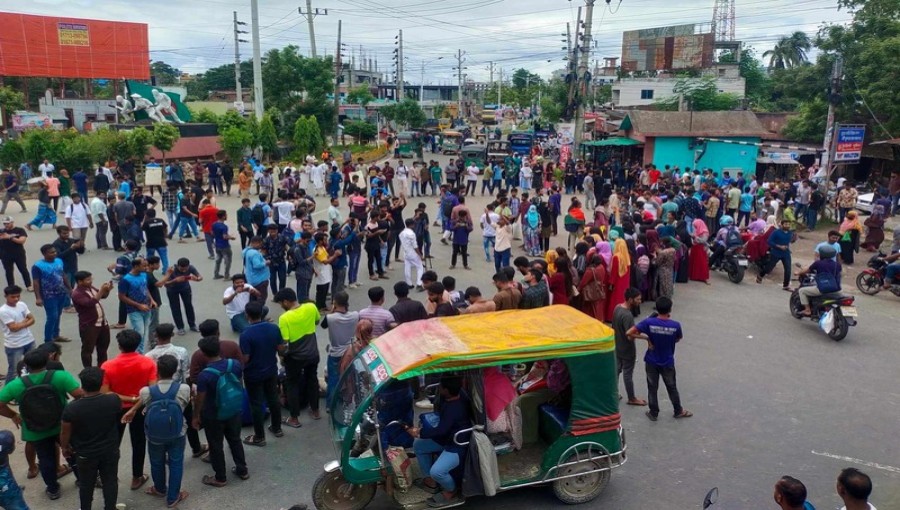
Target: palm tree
790	51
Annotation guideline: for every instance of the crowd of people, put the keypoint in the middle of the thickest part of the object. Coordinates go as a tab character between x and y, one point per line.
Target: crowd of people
638	232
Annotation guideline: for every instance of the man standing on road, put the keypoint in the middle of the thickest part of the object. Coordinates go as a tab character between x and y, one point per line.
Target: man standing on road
10	188
100	216
134	291
662	333
412	255
626	355
89	432
51	290
261	343
93	327
12	252
375	312
222	243
256	267
301	357
15	321
68	249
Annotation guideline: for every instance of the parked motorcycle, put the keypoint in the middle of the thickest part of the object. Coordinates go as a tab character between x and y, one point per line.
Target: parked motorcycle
842	311
871	280
734	263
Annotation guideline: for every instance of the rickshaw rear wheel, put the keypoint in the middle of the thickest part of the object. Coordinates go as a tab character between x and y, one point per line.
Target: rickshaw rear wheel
332	492
580	486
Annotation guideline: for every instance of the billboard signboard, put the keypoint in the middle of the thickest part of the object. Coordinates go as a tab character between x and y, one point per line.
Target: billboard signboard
28	120
57	47
849	143
667	48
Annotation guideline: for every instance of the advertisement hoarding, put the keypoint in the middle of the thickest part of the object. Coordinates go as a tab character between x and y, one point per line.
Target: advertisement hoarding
849	143
56	47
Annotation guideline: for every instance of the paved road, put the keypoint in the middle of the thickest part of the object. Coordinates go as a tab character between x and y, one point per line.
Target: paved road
771	396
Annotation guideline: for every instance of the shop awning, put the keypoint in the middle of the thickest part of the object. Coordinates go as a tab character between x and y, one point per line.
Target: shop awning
612	142
778	161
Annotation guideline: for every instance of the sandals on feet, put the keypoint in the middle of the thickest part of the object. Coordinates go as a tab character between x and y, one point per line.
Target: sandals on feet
684	414
151	491
181	497
276	433
138	482
254	441
244	476
288	423
212	482
203	449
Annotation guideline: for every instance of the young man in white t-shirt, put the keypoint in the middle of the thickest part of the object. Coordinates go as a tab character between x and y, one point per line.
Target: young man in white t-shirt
284	212
471	178
235	300
16	320
78	217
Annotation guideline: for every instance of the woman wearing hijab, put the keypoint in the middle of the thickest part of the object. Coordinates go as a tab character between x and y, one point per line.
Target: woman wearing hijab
698	259
665	268
681	263
561	282
874	229
604	251
550	258
531	231
850	231
595	272
619	276
653	246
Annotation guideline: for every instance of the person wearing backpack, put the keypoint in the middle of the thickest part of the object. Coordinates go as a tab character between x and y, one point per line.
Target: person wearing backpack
89	430
124	376
41	396
165	429
260	215
219	399
726	238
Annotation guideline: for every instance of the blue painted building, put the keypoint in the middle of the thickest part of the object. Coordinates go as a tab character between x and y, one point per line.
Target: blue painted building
676	139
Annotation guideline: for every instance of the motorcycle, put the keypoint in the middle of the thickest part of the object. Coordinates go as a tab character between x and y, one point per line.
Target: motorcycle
734	263
841	308
871	280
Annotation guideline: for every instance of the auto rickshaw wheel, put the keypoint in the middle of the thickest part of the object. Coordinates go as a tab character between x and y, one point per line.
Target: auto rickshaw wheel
332	492
580	486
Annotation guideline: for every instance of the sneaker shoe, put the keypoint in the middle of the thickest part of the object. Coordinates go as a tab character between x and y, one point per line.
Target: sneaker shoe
425	404
53	495
180	332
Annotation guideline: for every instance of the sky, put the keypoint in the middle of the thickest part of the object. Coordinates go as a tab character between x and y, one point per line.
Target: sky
195	35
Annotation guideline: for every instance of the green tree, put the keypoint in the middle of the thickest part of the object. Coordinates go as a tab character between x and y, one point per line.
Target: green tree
440	111
758	83
701	94
40	144
79	152
165	74
107	144
362	131
790	51
554	99
164	137
360	95
297	86
231	118
307	136
234	141
405	113
12	154
267	137
523	78
203	115
10	101
138	142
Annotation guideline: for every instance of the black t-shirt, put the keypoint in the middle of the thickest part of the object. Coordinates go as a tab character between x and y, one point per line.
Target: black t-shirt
192	207
227	171
408	310
10	249
95	424
141	204
387	227
397	218
156	230
154	290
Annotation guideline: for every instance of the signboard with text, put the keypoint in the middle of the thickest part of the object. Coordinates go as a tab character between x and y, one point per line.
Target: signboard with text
849	143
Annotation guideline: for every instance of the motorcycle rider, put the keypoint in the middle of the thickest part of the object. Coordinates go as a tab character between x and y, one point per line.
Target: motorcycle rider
727	237
892	270
825	265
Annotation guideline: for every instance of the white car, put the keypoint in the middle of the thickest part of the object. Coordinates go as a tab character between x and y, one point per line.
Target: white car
864	202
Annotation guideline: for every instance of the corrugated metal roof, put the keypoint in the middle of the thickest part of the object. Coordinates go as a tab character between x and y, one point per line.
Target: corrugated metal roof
726	123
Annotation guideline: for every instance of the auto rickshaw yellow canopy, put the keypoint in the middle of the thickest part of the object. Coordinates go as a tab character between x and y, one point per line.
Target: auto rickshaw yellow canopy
484	339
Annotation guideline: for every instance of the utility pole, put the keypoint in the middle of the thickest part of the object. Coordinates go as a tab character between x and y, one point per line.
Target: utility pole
238	93
311	14
257	61
338	72
500	89
583	85
400	66
572	67
834	97
422	85
459	77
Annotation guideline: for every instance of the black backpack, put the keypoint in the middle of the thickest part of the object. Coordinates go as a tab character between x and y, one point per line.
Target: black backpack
733	238
40	405
258	215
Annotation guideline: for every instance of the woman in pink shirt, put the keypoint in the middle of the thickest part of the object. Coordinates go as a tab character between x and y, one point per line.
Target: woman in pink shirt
53	189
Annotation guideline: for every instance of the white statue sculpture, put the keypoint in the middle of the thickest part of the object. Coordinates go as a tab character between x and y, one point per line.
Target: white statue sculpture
164	105
144	104
126	111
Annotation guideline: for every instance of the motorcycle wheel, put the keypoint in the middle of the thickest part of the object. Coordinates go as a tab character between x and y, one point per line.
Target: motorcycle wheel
795	306
841	327
736	275
868	283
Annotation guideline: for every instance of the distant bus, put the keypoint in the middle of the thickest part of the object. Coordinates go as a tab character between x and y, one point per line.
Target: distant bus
489	114
521	142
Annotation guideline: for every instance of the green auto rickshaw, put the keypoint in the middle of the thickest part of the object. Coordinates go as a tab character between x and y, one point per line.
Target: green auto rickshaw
451	141
566	435
474	154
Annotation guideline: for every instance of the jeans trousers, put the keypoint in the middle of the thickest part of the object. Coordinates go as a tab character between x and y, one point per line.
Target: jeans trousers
374	261
100	234
303	286
9	264
116	236
259	393
138	442
239	323
12	498
94	337
54	307
13	357
501	259
188	224
353	267
785	260
209	243
488	244
171	454
743	216
626	368
217	433
223	254
277	275
140	322
45	449
332	375
438	470
163	253
338	280
668	377
70	277
302	384
106	465
812	217
193	435
176	298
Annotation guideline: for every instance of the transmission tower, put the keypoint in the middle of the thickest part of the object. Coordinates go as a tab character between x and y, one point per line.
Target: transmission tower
723	20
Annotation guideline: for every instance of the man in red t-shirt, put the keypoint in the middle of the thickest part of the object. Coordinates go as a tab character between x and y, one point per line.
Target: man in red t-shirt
208	215
124	376
654	177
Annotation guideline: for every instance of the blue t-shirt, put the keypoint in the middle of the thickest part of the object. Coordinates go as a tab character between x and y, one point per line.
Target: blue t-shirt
135	287
259	343
125	188
780	238
836	246
206	383
255	267
220	235
50	274
746	202
80	179
663	334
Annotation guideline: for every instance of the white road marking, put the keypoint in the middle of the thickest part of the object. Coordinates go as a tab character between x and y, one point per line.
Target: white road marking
861	462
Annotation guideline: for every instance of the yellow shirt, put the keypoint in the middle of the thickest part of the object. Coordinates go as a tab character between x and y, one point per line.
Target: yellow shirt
298	322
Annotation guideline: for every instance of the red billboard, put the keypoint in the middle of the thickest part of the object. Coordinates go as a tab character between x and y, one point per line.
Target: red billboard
55	47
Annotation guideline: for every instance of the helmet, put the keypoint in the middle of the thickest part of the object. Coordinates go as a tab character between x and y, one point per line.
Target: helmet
827	252
725	220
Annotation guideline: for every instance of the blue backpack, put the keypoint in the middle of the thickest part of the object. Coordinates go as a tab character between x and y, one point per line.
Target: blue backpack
229	392
164	418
